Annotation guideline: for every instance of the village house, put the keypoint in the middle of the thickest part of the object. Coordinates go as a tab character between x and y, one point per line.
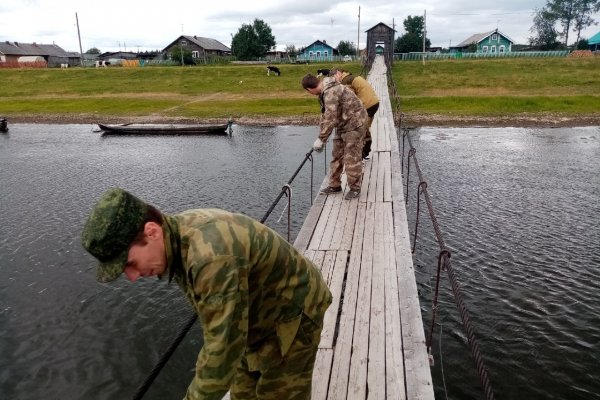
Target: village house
317	51
200	47
493	42
16	54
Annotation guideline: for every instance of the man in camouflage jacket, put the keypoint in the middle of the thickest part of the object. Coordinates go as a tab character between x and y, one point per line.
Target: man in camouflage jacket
261	303
365	92
342	110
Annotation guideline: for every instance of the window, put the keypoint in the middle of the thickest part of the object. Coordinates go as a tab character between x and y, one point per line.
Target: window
495	37
318	54
310	54
325	53
501	49
485	49
195	54
183	43
493	49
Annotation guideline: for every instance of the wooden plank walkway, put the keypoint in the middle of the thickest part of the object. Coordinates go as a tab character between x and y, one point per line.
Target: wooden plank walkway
373	344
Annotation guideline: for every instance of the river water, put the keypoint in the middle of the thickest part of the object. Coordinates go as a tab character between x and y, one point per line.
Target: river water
518	207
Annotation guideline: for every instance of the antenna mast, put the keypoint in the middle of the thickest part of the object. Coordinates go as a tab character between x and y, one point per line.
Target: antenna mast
79	36
358	37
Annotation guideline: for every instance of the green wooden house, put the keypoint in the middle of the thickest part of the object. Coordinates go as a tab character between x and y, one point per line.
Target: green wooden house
594	42
317	51
493	42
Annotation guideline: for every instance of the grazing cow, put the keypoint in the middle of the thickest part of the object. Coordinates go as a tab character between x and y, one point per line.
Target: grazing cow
101	64
64	66
323	72
271	68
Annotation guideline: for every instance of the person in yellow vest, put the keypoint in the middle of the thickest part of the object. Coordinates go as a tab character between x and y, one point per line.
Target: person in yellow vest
365	92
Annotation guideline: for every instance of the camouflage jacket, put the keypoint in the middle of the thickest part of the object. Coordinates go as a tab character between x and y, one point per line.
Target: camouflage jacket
249	286
362	88
340	108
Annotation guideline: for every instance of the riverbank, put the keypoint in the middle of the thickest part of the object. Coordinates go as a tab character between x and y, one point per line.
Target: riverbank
541	120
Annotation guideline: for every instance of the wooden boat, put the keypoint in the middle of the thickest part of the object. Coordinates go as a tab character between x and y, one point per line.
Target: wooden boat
3	125
163	129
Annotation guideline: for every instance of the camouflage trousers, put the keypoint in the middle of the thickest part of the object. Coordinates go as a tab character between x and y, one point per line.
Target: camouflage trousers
368	140
347	152
291	378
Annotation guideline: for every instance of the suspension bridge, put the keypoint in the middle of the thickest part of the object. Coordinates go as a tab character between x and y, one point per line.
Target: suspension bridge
373	343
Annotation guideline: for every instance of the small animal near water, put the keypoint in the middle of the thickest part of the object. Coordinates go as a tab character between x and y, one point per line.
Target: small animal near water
273	69
323	72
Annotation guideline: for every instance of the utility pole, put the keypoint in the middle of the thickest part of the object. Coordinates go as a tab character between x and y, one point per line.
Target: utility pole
181	45
79	36
424	33
358	37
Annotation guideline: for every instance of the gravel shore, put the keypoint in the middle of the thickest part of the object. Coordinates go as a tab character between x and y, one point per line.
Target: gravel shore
408	120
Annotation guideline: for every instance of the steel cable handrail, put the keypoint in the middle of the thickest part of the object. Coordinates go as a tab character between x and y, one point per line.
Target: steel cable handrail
444	254
285	190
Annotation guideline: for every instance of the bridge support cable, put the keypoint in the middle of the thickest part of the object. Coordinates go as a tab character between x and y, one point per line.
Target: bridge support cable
444	262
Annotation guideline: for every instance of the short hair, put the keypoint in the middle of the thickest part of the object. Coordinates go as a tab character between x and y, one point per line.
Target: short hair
336	69
310	81
152	215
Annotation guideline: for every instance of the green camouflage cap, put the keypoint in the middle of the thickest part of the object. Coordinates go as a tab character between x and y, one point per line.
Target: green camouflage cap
109	230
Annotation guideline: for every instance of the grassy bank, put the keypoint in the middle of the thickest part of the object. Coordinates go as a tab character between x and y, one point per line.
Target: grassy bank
470	88
500	87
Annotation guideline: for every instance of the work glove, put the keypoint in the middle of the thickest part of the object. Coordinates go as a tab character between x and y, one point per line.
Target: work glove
318	145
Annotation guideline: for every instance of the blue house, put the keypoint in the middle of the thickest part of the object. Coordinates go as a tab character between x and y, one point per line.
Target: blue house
493	42
317	51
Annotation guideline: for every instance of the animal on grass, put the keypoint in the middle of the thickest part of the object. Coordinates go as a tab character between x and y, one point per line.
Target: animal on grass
323	72
273	69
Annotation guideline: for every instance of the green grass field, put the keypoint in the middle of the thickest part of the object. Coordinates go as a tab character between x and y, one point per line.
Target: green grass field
490	87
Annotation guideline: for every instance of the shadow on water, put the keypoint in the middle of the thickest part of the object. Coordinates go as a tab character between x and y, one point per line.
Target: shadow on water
63	334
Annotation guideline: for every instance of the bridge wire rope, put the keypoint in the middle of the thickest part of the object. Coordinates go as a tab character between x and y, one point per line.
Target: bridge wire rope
444	254
286	190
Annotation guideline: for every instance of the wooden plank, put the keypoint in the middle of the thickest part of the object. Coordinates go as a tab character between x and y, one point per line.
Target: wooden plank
376	361
321	374
357	384
380	176
333	222
309	224
394	363
387	191
366	178
317	236
373	178
335	283
344	343
344	224
346	241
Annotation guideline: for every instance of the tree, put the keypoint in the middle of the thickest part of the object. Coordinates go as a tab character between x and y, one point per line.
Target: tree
93	50
583	15
346	48
290	49
545	36
252	41
187	55
563	12
412	40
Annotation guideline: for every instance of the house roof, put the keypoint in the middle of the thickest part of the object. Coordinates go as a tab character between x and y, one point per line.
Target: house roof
595	39
205	43
478	37
381	23
31	49
322	42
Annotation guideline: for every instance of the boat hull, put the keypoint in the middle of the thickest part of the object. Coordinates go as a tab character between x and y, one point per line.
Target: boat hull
163	129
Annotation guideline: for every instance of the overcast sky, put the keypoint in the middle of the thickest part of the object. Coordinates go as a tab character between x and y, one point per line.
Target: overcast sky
133	25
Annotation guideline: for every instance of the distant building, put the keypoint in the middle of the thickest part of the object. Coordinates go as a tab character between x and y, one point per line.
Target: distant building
198	46
493	42
14	53
594	42
317	51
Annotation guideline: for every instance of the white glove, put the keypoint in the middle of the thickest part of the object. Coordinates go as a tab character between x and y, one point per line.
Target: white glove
318	145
